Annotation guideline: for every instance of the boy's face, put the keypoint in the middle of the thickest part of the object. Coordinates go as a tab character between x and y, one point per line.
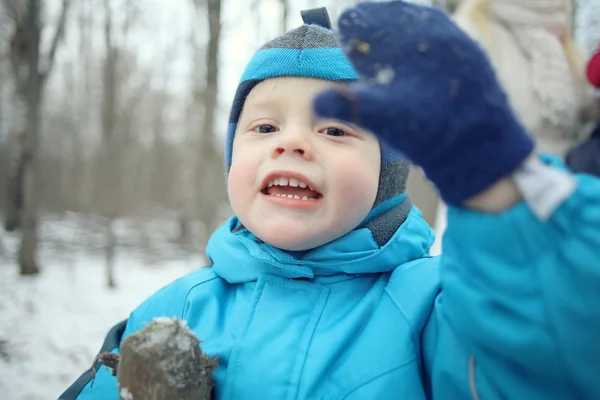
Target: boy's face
296	181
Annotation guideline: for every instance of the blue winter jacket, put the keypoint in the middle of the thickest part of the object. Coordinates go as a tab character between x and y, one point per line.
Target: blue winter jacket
510	311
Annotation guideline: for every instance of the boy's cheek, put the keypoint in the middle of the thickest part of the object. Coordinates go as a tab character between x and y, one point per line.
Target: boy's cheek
242	177
360	185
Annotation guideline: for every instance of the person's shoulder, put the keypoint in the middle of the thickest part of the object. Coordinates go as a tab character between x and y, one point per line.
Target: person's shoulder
195	278
420	268
171	299
420	277
413	287
181	287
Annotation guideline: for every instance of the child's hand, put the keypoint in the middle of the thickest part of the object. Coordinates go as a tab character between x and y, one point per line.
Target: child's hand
429	91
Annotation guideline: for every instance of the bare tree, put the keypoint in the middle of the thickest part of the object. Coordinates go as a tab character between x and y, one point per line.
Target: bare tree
108	161
190	165
124	86
285	8
84	121
211	184
30	71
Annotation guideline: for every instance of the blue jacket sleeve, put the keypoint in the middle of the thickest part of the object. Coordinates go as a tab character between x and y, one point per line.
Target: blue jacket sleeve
518	316
167	302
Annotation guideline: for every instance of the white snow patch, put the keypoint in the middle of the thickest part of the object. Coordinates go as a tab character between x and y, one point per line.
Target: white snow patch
183	339
174	320
52	326
126	394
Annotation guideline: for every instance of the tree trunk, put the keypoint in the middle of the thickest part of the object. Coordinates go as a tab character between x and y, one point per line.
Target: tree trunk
29	150
285	7
110	150
211	90
189	168
14	192
109	253
21	45
84	184
212	185
29	84
29	239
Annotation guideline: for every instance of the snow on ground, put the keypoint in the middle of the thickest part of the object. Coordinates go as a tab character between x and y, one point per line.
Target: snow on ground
52	326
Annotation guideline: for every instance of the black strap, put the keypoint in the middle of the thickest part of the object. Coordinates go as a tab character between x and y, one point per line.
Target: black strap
112	341
316	16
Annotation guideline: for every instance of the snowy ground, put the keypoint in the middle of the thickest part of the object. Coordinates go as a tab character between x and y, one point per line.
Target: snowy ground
52	326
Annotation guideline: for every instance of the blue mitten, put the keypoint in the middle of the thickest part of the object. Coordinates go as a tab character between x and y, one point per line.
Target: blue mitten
429	91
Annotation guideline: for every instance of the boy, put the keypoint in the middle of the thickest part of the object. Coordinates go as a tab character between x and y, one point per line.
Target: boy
321	286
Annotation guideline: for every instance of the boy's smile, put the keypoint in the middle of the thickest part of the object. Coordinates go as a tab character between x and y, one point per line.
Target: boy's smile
296	181
290	189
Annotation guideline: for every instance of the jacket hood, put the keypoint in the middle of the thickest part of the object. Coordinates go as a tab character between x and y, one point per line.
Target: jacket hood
238	256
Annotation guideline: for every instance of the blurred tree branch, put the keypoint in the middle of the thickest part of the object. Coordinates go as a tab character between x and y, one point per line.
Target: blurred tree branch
285	6
56	37
29	80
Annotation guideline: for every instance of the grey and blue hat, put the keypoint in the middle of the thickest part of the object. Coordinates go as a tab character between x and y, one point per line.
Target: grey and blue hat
312	51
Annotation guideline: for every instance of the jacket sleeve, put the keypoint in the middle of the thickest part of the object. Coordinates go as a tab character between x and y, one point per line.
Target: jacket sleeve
167	302
518	315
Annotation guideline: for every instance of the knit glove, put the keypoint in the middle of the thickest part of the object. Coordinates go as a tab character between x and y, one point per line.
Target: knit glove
429	91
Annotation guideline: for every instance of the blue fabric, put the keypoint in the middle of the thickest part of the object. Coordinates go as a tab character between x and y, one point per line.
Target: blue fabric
521	298
517	316
585	158
229	142
389	154
430	92
337	335
271	63
383	207
322	63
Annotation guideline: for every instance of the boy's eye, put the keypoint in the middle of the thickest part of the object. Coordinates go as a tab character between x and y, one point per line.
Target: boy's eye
333	132
266	128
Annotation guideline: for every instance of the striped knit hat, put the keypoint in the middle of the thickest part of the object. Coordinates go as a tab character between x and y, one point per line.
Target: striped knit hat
312	51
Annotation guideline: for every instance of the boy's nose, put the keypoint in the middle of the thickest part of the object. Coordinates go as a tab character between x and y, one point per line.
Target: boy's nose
293	142
281	150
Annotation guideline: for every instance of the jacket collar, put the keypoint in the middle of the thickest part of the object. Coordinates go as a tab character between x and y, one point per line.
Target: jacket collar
238	256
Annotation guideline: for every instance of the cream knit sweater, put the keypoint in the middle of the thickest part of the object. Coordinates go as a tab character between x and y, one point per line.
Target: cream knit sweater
530	46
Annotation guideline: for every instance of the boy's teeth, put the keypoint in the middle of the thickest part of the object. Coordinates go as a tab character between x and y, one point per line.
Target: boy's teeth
293	182
293	196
